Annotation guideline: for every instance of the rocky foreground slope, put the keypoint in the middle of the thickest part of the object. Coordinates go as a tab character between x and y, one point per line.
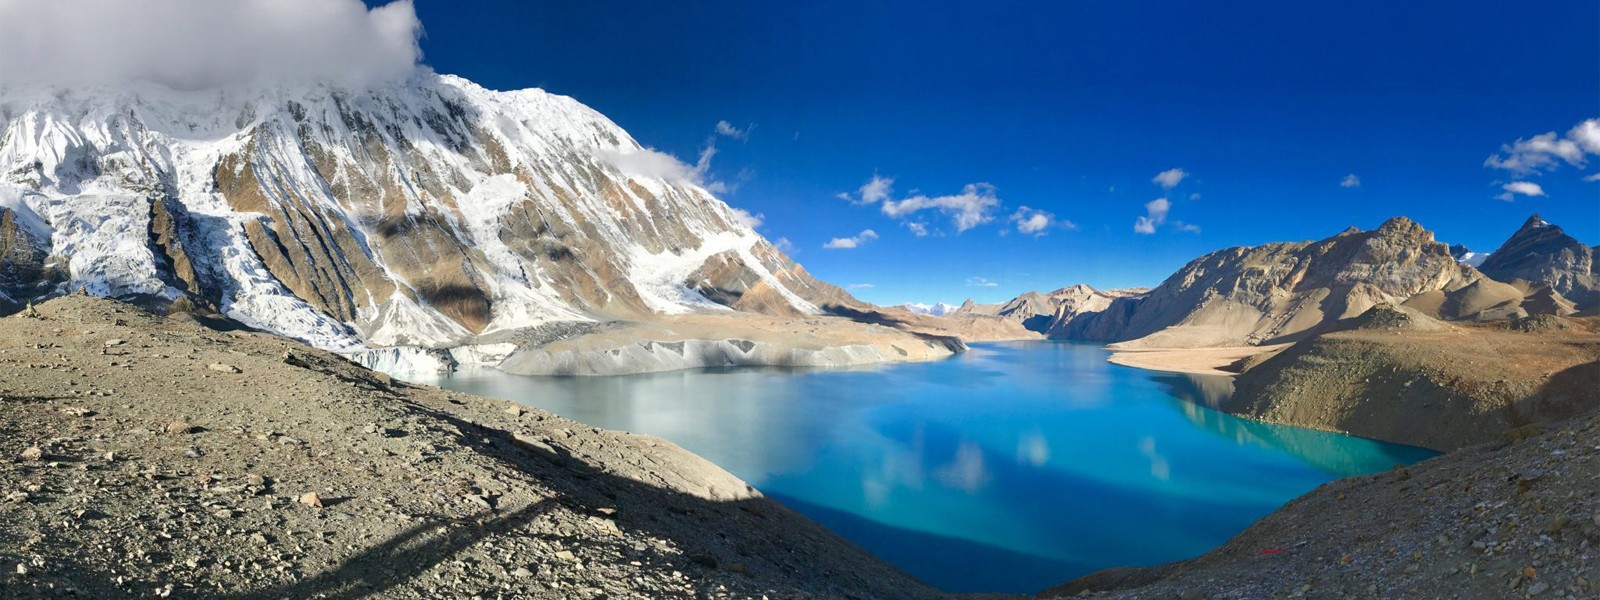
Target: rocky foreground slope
1518	518
150	457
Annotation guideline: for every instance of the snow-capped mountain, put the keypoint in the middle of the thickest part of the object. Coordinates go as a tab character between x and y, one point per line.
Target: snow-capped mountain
424	212
937	309
1466	256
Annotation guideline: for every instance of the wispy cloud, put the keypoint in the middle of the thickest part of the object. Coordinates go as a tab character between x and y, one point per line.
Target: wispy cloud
1350	181
1523	188
972	207
846	243
649	163
1170	178
1547	151
1187	227
748	220
727	129
980	282
1034	222
787	247
1155	214
875	190
860	286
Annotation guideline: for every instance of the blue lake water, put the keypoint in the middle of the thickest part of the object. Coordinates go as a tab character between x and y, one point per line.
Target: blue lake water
1010	468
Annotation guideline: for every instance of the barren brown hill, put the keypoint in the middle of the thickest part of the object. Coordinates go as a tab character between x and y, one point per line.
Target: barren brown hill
1397	375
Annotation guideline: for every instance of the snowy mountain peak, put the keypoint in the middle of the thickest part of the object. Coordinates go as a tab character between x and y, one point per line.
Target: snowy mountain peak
423	212
937	309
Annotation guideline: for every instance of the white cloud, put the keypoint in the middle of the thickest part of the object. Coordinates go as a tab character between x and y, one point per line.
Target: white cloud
1546	151
1524	188
1350	181
1155	214
1035	222
875	190
725	128
1189	227
918	228
846	243
785	246
648	163
1194	196
1170	178
193	44
1594	177
860	286
974	206
748	220
980	282
1587	135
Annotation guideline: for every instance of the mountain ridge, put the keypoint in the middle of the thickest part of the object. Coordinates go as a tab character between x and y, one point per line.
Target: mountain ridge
422	213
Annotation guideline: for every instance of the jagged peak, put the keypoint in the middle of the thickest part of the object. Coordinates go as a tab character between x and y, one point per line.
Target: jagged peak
1535	222
1351	230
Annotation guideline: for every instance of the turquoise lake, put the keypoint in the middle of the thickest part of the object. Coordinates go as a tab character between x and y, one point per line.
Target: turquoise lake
1010	468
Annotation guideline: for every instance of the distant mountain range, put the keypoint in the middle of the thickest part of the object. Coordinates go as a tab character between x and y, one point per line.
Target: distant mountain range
1281	292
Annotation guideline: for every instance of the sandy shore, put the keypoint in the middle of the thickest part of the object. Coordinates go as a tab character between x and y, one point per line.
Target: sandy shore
1198	361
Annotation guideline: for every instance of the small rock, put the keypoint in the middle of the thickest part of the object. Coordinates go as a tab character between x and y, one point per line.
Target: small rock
522	573
255	480
192	452
311	499
179	427
566	555
22	570
1538	587
111	457
17	497
260	538
116	342
225	514
33	453
516	411
223	368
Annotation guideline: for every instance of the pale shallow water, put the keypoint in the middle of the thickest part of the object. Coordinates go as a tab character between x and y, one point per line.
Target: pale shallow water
1012	467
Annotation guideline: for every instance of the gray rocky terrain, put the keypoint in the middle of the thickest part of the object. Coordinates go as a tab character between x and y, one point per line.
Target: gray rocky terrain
150	457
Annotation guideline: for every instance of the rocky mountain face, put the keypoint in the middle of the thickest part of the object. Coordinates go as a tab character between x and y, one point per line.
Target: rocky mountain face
1039	312
1281	291
426	212
1541	254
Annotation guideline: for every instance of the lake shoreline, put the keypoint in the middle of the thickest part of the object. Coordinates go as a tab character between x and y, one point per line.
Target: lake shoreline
1193	361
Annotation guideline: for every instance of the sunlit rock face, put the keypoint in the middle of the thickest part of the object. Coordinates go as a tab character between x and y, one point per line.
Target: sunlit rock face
425	212
1541	254
1282	291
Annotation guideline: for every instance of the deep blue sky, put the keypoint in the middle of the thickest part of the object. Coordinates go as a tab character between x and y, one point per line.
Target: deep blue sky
1071	107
